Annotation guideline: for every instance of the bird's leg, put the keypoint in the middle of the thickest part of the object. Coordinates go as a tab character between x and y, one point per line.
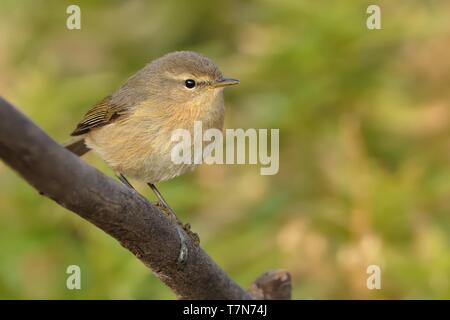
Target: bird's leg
162	202
125	181
165	206
183	255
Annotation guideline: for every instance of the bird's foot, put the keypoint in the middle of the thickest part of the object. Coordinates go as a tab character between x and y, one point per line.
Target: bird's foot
186	227
194	236
161	206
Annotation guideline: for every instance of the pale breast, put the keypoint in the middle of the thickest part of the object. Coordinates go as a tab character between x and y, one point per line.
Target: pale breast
140	147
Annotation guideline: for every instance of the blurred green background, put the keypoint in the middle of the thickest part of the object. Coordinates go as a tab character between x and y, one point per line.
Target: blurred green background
364	118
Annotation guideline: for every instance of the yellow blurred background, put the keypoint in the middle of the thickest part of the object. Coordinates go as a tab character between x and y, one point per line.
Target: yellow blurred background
364	119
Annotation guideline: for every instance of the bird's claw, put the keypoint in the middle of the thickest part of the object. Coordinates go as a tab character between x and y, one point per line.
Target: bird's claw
194	236
186	227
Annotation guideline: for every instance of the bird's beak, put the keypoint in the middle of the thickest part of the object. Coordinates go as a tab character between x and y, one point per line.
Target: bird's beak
225	82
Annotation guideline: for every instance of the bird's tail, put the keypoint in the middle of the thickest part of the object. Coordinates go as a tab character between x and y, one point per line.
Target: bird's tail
76	146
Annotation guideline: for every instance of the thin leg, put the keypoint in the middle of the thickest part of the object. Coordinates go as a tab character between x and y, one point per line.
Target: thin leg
161	198
172	214
125	181
183	255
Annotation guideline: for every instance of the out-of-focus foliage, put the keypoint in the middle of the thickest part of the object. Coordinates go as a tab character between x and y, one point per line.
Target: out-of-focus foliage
364	120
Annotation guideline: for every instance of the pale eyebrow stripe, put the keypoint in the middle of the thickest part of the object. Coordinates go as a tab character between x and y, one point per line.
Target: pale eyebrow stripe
185	76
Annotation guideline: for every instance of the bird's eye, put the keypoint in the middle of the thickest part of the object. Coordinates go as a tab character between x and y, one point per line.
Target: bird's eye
190	84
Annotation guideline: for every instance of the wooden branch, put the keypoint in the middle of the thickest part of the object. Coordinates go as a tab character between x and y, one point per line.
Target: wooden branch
117	210
272	285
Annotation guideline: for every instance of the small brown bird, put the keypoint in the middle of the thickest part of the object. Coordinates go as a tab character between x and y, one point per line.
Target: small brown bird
131	129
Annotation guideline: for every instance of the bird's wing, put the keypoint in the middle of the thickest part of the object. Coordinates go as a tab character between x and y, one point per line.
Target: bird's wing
99	115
